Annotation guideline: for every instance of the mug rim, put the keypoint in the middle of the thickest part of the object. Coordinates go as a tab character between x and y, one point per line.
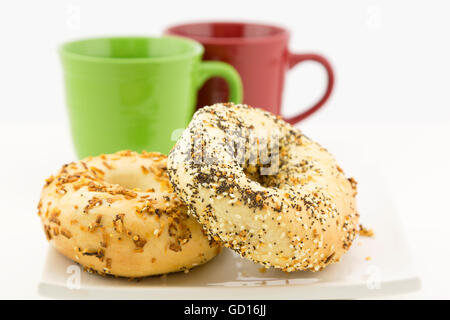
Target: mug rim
197	49
281	33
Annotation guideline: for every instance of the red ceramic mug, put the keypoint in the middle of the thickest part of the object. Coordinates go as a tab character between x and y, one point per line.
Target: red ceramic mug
260	54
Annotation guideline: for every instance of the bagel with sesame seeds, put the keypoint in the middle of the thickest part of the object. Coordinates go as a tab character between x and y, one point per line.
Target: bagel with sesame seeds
263	189
117	214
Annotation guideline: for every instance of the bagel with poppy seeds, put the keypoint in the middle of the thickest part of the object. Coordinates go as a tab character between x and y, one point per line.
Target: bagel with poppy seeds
263	189
116	214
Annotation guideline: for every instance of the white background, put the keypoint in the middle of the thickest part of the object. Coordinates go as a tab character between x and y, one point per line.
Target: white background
391	60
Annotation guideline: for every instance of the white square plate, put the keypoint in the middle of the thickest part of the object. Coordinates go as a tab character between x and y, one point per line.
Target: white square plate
388	271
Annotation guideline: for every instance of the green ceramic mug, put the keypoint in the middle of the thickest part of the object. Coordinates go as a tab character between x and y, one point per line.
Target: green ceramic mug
134	92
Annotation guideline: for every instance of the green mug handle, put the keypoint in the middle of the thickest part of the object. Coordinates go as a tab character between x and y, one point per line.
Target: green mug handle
209	69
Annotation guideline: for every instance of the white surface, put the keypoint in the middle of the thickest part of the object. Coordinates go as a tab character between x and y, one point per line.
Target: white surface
25	247
390	104
389	270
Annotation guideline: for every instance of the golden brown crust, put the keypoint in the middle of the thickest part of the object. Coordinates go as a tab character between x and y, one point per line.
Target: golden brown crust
296	214
92	214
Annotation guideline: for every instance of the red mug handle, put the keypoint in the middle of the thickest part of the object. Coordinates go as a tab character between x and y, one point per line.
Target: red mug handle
295	59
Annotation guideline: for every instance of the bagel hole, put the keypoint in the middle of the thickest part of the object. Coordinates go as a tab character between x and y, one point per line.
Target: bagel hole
253	173
132	179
